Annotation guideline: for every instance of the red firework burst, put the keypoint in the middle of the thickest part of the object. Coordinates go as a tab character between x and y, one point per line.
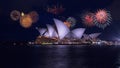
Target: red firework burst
57	9
103	18
88	19
34	15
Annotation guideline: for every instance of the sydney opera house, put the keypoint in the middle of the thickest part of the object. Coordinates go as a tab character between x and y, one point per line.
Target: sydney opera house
61	34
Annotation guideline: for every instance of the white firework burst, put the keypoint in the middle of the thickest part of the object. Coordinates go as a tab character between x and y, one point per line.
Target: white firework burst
15	15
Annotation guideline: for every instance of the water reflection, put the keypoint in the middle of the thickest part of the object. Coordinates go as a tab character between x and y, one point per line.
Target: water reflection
61	56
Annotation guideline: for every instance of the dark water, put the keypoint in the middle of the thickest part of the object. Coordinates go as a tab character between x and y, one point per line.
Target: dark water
59	56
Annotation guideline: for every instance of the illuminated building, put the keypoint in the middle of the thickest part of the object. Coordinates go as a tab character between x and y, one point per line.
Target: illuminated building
60	33
62	29
52	32
91	36
78	32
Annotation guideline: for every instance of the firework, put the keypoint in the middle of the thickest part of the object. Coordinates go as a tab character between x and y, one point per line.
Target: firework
71	21
67	24
57	9
88	19
22	14
103	18
15	15
26	21
34	15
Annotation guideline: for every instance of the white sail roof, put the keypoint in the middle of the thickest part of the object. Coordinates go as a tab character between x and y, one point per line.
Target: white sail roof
70	35
47	34
94	35
86	36
78	32
62	29
52	32
42	31
55	34
91	36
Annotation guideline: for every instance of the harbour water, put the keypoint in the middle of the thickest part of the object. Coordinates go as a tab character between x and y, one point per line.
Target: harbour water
59	56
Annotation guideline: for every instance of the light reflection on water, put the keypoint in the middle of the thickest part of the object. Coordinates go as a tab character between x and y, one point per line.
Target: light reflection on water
62	56
77	56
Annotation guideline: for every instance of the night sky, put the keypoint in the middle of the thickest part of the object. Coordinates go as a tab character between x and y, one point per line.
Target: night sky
12	31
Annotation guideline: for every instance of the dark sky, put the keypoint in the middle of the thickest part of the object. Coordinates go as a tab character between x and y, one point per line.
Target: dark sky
11	30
